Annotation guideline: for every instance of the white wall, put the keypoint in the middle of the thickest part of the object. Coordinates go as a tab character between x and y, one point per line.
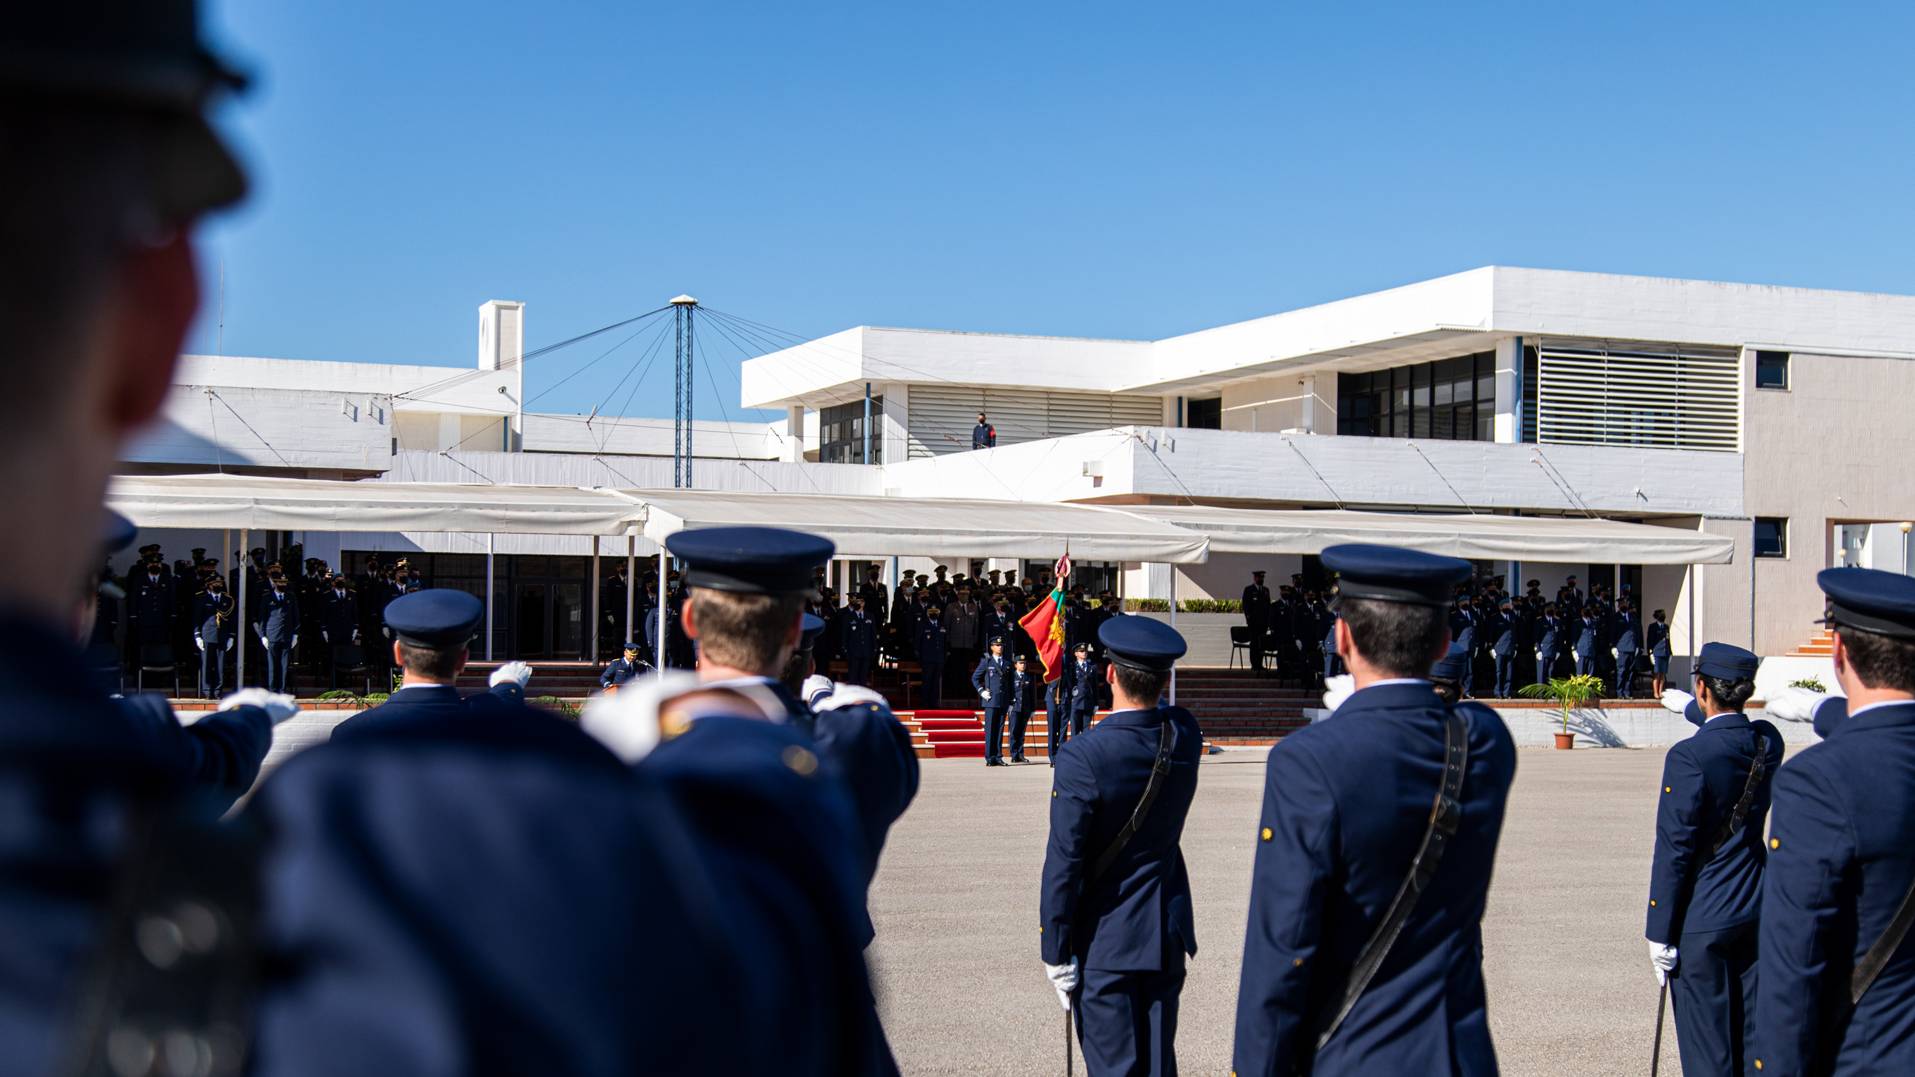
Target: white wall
277	428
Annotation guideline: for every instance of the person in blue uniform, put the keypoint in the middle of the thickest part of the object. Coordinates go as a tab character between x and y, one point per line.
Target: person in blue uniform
1347	805
1026	688
1656	642
983	436
1115	919
1549	644
1628	644
745	607
931	644
1462	618
1505	632
1586	633
627	665
431	631
214	635
1705	885
1332	661
1841	860
1256	618
991	680
858	641
276	623
108	103
1080	699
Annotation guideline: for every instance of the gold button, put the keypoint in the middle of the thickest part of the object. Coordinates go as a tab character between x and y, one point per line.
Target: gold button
1758	1063
801	761
1267	834
1296	963
1040	929
1053	793
1667	789
1775	843
1652	903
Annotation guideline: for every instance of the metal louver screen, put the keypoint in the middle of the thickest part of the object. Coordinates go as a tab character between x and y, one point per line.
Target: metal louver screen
1685	399
940	417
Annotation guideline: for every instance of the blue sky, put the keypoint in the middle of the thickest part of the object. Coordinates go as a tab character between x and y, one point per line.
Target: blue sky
1077	169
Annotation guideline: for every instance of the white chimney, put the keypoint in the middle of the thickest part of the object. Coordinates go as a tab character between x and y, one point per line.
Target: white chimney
501	334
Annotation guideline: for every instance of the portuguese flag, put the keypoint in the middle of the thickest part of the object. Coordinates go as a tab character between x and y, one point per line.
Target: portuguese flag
1045	624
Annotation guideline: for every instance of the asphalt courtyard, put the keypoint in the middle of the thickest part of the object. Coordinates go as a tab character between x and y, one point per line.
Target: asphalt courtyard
963	992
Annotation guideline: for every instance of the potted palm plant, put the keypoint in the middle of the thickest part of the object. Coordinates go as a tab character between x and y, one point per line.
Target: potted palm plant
1567	693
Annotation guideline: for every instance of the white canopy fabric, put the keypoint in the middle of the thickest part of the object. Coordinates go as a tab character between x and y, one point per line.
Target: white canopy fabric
883	526
1484	537
279	504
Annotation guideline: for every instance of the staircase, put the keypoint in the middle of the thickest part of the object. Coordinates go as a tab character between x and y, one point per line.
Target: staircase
1820	645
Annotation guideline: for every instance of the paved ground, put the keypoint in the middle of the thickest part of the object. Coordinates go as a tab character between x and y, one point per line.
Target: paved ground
962	991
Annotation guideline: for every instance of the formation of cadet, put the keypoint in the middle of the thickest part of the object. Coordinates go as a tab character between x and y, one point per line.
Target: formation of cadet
1510	640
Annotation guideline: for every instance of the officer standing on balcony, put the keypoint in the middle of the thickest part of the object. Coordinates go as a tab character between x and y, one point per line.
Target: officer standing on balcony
1115	921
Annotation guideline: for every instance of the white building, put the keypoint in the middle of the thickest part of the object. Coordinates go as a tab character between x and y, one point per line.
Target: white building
1765	415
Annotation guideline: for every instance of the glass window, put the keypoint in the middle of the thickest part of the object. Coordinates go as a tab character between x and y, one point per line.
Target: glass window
1771	536
1772	370
841	432
1204	414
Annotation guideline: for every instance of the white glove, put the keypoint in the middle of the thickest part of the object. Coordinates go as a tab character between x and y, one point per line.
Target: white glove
984	694
846	695
1064	979
200	643
1677	700
264	642
1795	704
325	636
295	643
815	686
627	723
277	707
511	672
1337	689
230	642
1663	959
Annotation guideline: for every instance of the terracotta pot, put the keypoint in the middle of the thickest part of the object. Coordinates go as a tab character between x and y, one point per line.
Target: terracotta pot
1565	741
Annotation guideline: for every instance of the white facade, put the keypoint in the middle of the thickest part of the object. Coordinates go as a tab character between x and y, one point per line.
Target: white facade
1634	398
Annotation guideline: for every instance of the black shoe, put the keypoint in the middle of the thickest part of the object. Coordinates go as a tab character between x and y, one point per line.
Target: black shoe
993	762
1019	759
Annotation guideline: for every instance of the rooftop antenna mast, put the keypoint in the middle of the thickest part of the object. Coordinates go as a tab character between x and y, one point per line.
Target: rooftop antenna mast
683	308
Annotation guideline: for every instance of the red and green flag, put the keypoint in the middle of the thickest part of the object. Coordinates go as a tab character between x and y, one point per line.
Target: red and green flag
1045	624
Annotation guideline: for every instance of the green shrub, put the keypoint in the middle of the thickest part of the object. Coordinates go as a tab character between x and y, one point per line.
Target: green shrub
1147	605
1813	684
568	708
1211	605
335	695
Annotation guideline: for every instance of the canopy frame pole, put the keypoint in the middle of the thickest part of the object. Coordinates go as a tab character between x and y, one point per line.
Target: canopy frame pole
631	582
490	576
1173	624
661	607
1689	577
595	602
245	640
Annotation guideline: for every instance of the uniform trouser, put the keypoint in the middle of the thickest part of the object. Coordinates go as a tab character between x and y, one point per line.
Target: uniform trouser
857	669
1586	665
1256	644
1625	673
1713	993
1468	683
1057	718
1019	721
933	686
1506	674
1127	1021
212	671
994	733
278	657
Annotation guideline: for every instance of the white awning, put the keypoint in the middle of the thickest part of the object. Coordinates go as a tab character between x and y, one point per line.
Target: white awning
930	527
280	504
1557	539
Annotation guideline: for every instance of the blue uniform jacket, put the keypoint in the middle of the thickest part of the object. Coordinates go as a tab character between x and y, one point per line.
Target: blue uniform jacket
1552	640
1026	689
993	675
1841	859
618	671
276	616
858	635
427	709
1501	630
1346	802
1137	916
1585	631
1628	633
1702	779
213	618
1463	629
786	855
1657	639
931	644
870	751
77	768
1081	684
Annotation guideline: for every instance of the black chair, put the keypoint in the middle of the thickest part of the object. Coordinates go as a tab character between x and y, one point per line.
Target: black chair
157	658
350	659
1239	641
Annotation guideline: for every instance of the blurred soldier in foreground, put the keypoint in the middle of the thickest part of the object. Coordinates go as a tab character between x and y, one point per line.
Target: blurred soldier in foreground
1705	886
1115	922
1379	827
110	164
1837	990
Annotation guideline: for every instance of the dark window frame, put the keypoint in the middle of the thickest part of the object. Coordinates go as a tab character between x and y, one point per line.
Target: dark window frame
1773	360
1779	547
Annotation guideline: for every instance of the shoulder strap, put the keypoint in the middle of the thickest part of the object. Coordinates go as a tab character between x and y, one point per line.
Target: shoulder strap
1741	811
1876	959
1445	815
1136	821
